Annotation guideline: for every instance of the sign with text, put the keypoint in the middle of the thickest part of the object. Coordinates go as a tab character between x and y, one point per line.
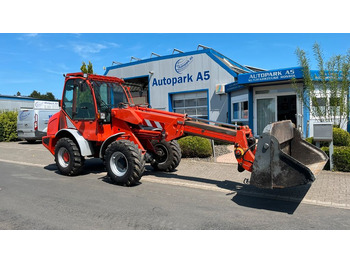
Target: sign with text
269	76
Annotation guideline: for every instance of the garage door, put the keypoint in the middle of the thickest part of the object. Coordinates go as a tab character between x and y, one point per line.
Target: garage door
195	104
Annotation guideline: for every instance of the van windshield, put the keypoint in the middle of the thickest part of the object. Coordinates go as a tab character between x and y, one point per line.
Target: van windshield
108	95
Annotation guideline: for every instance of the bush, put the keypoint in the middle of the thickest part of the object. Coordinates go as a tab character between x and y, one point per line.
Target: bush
310	140
340	137
8	126
193	146
341	159
1	132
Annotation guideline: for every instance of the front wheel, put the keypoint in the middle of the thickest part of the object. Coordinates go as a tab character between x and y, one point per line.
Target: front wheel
124	162
67	157
168	155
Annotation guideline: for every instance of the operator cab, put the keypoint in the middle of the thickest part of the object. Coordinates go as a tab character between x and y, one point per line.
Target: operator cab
81	94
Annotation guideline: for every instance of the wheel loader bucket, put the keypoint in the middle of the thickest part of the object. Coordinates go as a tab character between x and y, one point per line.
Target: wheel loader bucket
284	159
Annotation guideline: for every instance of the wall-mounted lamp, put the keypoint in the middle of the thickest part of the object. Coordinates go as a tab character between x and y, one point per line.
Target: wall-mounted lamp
135	58
177	50
155	54
202	46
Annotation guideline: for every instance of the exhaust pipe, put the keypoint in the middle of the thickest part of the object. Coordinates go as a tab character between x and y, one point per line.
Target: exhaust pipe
284	159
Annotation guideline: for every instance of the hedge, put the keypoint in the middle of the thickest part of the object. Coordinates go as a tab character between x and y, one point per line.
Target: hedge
8	126
340	137
194	146
341	154
326	150
341	158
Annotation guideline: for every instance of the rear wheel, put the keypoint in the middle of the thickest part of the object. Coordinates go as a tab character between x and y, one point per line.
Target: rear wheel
168	155
124	162
67	157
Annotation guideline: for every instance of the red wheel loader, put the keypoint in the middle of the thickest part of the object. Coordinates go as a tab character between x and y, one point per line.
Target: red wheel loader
99	119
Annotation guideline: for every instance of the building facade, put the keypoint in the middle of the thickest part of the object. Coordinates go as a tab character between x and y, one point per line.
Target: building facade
16	103
206	84
191	82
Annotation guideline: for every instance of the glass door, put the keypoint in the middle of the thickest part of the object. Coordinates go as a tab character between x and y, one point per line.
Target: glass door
266	113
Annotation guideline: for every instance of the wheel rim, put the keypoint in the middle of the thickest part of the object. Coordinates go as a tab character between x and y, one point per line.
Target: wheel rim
162	153
63	157
118	164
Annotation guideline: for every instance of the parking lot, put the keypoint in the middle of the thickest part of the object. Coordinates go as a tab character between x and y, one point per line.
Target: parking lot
198	195
329	189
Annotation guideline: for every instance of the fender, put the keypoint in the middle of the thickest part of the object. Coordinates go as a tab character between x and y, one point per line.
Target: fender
85	148
107	142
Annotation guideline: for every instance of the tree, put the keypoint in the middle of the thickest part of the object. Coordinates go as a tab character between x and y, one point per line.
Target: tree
326	93
35	94
88	69
47	96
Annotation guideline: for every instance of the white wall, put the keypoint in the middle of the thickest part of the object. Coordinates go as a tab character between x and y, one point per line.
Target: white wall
181	74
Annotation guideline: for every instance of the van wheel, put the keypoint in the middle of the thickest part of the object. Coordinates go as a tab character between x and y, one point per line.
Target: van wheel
68	158
31	141
125	163
168	155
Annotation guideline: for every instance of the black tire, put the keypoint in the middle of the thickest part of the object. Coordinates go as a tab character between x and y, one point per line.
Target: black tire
168	155
124	162
68	158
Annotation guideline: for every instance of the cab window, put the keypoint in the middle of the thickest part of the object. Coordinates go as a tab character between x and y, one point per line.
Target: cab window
78	101
108	95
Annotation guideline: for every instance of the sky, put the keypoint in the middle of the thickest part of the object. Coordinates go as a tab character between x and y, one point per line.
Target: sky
31	61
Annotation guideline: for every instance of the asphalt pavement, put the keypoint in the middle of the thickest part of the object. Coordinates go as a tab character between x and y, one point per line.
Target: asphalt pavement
330	188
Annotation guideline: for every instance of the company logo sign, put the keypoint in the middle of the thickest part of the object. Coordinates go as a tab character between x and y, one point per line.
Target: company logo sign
182	64
189	77
24	115
273	75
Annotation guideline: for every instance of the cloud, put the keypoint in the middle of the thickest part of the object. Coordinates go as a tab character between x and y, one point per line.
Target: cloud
110	44
62	66
85	50
26	37
59	69
31	35
53	71
136	47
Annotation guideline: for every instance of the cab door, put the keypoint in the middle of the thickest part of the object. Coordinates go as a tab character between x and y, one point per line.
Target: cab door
79	106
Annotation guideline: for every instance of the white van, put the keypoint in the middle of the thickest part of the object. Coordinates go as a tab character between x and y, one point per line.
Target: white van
32	122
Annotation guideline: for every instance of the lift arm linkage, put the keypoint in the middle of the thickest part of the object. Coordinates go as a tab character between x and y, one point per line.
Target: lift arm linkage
176	125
